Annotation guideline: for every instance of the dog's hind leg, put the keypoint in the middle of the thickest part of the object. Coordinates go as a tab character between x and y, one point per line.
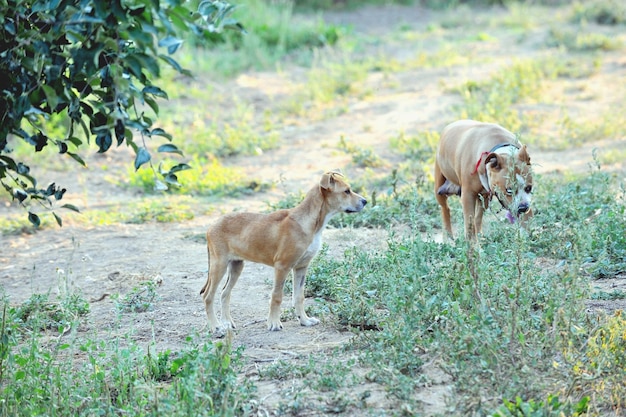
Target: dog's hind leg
234	271
442	199
217	269
299	279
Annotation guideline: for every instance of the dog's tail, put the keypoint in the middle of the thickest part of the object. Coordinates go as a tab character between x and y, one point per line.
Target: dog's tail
206	284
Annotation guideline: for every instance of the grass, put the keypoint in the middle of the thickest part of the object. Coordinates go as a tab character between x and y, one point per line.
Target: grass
207	177
575	40
495	99
109	378
160	209
496	314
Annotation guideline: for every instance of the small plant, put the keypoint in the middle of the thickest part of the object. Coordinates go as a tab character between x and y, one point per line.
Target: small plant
139	299
207	177
290	201
613	295
602	366
361	156
493	100
283	370
39	313
576	40
603	12
552	407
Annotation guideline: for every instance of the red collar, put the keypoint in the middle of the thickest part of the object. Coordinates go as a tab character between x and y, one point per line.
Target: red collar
501	145
479	161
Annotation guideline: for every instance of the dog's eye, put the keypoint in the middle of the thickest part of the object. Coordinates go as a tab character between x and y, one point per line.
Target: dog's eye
347	191
528	189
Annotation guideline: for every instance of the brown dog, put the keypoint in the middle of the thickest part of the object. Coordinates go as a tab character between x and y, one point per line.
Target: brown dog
478	161
285	239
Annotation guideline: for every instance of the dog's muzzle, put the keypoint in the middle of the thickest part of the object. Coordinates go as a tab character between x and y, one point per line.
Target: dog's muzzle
523	208
362	204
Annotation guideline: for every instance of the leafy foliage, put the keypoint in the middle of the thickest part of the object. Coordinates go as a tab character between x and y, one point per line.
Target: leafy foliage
94	62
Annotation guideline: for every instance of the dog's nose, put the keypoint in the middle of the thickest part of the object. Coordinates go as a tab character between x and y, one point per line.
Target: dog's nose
523	208
363	202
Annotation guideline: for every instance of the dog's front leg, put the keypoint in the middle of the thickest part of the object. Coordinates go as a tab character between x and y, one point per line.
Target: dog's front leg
299	279
280	274
481	205
469	202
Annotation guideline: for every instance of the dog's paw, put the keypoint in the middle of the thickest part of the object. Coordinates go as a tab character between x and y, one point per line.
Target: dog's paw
274	326
309	321
220	332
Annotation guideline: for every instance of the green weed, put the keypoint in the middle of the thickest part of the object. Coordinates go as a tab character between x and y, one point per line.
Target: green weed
580	41
494	100
39	313
494	312
613	295
109	376
601	243
397	198
207	177
575	131
138	300
604	12
273	32
600	366
552	407
361	156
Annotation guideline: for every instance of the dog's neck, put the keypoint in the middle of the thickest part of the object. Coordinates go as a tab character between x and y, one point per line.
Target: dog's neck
503	148
314	204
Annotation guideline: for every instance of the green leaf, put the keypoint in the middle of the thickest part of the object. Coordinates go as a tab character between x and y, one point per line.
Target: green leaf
160	132
51	97
38	140
134	65
34	219
179	167
75	141
175	65
169	147
149	63
58	219
71	207
153	104
20	194
172	179
142	157
104	140
22	169
77	158
62	147
171	43
155	91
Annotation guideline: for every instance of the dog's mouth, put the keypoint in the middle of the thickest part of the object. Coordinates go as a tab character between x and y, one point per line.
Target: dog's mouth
361	204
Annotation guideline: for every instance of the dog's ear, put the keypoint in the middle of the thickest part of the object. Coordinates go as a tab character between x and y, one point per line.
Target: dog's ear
494	160
523	155
327	180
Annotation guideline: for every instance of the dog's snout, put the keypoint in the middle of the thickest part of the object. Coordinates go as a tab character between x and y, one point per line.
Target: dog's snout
523	208
363	202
